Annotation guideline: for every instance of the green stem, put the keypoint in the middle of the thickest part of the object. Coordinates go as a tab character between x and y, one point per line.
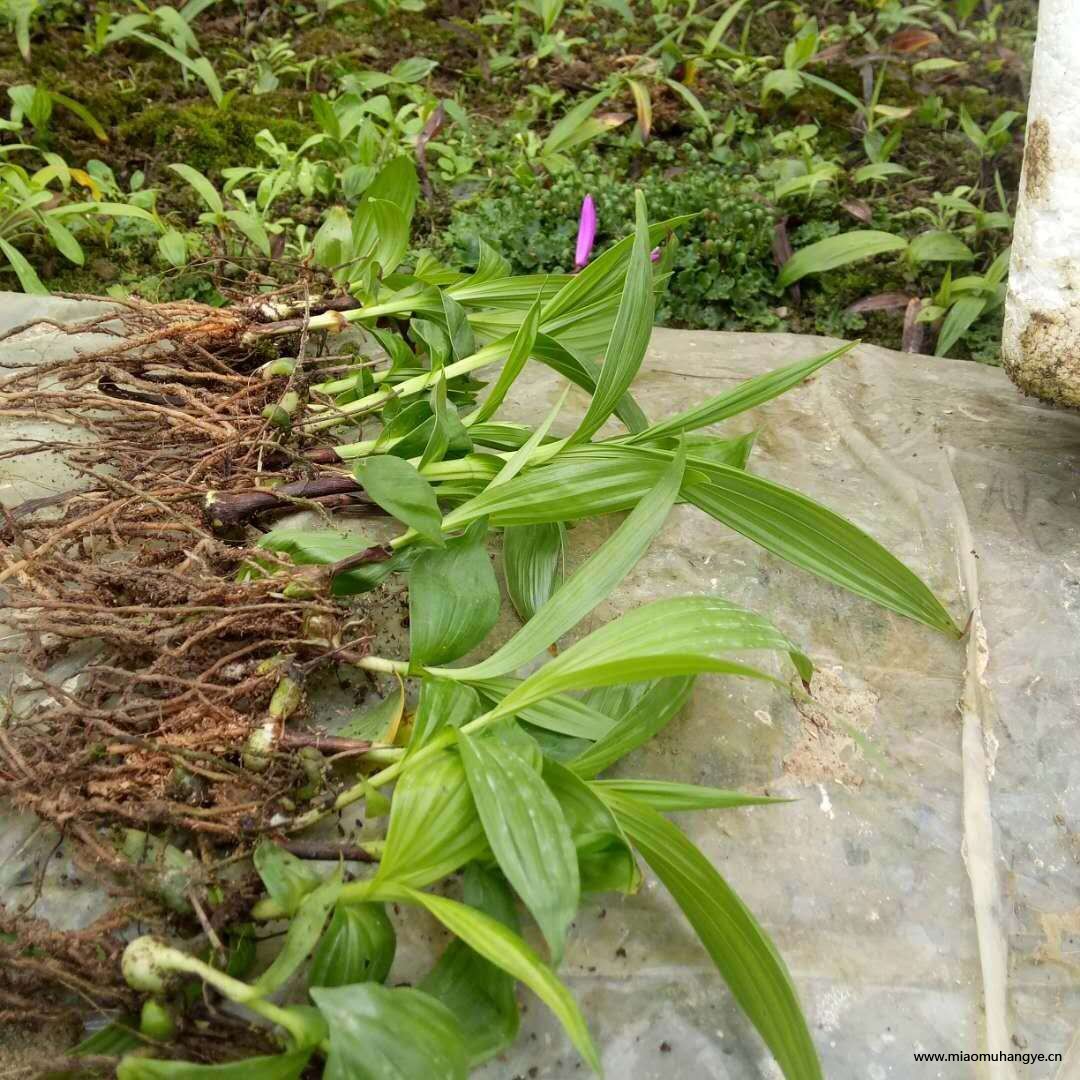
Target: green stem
488	355
378	663
166	958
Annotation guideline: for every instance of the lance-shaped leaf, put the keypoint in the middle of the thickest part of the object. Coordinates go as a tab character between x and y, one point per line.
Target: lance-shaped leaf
527	832
504	948
447	431
584	372
605	861
477	992
443	703
647	714
453	599
520	350
781	520
462	343
532	563
381	1034
434	828
810	536
592	582
630	334
581	482
561	713
681	636
747	395
525	453
400	490
604	276
666	796
741	950
358	946
305	929
287	879
836	251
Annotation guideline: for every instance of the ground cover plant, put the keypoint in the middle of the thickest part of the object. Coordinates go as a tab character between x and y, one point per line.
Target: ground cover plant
880	142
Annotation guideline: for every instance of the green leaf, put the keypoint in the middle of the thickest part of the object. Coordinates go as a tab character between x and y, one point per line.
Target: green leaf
252	229
666	796
269	1067
652	706
691	99
878	170
527	832
561	713
938	246
682	636
448	434
444	703
591	583
453	599
29	280
173	247
836	251
207	192
380	722
305	929
478	993
741	950
532	562
935	64
65	242
958	321
605	861
358	946
502	947
400	490
332	243
630	334
381	1034
562	135
462	340
434	827
287	879
722	25
749	394
525	453
322	546
413	69
810	536
710	448
520	350
392	232
583	372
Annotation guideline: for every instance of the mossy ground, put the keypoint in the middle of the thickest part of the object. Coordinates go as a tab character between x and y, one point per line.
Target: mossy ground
154	117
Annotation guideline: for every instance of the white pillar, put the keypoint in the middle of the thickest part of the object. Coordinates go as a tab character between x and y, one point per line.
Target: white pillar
1041	342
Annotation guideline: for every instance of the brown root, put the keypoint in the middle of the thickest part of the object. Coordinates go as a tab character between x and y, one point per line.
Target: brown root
147	660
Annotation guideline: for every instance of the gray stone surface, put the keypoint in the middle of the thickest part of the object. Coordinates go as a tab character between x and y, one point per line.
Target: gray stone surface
923	888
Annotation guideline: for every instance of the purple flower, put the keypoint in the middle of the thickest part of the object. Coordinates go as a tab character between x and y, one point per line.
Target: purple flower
586	235
654	255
